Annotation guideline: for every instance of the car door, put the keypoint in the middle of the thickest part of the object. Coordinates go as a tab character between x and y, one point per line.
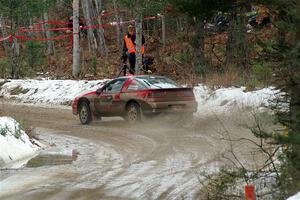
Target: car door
108	101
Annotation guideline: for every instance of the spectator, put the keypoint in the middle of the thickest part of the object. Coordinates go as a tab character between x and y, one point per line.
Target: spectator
129	48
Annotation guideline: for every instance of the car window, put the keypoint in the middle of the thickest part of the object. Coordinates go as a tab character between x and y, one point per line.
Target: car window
155	82
114	86
135	85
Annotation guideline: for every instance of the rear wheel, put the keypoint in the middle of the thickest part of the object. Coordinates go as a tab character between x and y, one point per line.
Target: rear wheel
133	113
85	114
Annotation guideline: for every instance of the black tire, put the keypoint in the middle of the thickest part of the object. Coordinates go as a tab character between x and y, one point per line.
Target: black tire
85	115
133	113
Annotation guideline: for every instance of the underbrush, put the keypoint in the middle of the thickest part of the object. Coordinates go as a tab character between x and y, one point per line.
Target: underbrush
262	165
229	184
233	78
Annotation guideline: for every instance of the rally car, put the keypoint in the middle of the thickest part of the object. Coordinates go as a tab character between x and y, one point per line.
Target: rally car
132	97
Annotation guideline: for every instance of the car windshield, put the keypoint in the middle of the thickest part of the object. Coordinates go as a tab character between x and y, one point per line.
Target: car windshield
155	82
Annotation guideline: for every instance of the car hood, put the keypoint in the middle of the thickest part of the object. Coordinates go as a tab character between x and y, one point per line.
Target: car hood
91	93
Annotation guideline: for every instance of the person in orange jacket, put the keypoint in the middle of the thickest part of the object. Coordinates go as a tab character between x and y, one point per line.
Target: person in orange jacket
129	48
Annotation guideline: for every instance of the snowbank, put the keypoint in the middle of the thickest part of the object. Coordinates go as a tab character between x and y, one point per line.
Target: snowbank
59	92
62	92
15	144
295	197
229	99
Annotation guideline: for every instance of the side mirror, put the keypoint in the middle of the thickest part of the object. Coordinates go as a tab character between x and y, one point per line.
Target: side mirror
99	90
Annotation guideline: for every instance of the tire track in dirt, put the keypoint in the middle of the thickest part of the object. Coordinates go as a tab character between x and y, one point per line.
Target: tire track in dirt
153	160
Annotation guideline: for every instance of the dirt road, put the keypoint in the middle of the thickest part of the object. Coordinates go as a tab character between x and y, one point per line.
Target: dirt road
159	159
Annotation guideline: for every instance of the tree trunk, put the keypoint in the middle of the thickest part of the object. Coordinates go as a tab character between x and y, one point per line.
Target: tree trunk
50	44
236	49
100	31
242	44
4	34
231	40
86	8
5	45
138	41
199	45
15	52
179	24
282	37
118	28
163	32
76	44
15	59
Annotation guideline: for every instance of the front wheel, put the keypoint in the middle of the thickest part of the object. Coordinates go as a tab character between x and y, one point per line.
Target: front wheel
85	114
133	113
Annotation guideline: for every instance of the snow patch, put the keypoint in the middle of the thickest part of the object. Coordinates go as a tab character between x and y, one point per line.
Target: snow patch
48	91
15	144
295	197
225	100
63	92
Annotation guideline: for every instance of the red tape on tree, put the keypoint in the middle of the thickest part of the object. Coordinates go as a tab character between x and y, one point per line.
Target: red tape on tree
41	39
82	27
105	14
5	38
22	29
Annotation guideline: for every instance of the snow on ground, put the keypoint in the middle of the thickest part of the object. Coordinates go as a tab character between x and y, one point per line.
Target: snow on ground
14	143
62	92
130	182
94	159
59	92
224	100
295	197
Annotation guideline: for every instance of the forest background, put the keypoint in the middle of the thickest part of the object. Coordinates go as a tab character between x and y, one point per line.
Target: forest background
219	43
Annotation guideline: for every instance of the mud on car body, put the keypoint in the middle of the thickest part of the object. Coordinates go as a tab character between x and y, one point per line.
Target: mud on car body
133	96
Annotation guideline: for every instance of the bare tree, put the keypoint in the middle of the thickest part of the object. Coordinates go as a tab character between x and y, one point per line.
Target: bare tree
100	30
163	30
76	44
5	44
86	8
15	53
4	34
50	44
15	58
138	40
118	28
236	48
199	44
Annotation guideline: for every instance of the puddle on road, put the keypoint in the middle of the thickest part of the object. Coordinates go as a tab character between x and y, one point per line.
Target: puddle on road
50	159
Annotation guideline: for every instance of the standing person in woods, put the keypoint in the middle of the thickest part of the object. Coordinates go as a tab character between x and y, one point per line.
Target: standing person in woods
129	48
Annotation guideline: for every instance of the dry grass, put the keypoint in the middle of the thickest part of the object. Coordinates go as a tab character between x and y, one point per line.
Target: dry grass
226	79
19	90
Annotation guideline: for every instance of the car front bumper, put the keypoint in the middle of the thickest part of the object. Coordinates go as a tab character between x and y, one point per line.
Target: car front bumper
74	107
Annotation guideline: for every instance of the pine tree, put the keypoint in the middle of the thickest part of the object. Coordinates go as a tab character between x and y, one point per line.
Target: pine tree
285	56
